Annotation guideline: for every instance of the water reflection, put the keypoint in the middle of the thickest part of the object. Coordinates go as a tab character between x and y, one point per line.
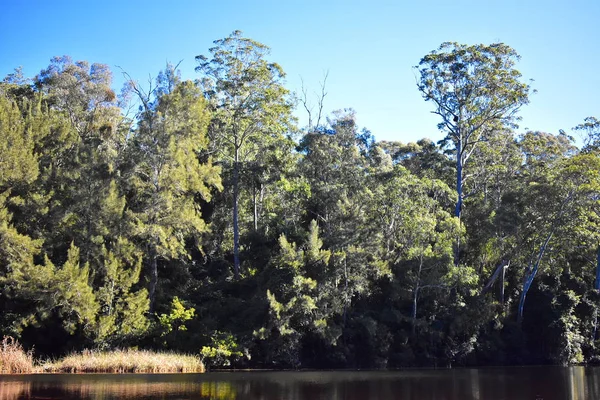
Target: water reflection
474	378
97	387
577	386
593	384
547	383
14	390
154	390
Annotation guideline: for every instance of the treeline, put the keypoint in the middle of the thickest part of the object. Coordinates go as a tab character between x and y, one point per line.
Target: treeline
198	217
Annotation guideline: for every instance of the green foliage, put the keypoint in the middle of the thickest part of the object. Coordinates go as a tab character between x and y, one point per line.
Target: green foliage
173	326
123	309
472	86
166	177
175	320
251	117
572	338
300	290
346	252
476	91
591	131
64	291
222	350
19	164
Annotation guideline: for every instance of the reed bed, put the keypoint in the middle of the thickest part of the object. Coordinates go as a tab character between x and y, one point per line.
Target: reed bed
125	361
13	359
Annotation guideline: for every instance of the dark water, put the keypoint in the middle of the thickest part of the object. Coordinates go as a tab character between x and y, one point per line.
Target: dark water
547	383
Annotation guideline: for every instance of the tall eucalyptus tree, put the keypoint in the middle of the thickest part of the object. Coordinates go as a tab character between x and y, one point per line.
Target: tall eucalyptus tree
251	108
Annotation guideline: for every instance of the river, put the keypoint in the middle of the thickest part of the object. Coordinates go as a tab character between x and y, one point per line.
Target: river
514	383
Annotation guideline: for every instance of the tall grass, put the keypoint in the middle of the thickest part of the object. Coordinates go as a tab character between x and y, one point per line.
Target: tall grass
13	359
125	361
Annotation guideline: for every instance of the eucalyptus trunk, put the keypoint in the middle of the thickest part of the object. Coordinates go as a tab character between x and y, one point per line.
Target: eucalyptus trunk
597	287
531	273
236	230
153	282
459	179
459	193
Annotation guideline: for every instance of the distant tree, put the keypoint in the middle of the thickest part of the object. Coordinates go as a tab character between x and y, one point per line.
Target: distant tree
422	158
591	133
165	176
415	234
63	192
251	108
334	164
555	182
475	90
82	92
297	297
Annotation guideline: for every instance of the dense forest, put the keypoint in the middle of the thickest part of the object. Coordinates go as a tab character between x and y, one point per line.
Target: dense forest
197	216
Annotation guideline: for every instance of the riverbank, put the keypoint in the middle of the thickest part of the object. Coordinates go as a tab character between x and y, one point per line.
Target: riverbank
15	360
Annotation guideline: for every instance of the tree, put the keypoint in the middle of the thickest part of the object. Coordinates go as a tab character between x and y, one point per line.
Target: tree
82	92
591	133
335	166
63	141
63	291
18	162
296	296
553	183
250	104
166	177
494	175
475	89
415	233
79	158
423	159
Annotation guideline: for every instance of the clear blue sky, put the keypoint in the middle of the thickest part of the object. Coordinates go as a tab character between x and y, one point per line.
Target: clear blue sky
368	47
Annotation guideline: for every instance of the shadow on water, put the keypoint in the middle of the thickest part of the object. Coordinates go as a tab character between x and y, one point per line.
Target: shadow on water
540	383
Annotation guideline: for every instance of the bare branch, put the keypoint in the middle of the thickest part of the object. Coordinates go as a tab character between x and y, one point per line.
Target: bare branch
304	101
322	97
320	103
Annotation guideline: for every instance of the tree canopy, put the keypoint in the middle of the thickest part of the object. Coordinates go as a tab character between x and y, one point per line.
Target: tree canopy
210	222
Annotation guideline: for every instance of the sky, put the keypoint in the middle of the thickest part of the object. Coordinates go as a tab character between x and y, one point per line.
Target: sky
368	48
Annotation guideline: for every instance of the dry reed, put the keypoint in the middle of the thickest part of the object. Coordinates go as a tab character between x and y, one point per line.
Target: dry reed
13	359
125	361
